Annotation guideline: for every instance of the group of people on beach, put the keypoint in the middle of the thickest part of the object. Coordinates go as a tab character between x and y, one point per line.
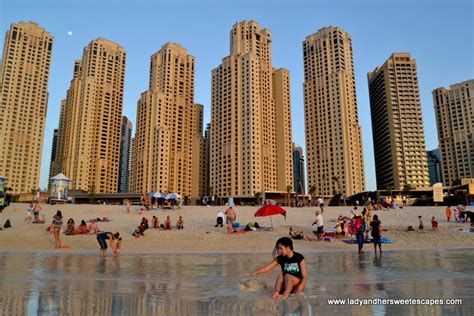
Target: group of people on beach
155	224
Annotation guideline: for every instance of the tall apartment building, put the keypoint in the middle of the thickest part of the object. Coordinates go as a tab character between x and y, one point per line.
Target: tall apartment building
92	117
54	150
251	147
298	169
454	109
167	120
125	153
24	75
434	166
333	134
397	124
57	145
207	160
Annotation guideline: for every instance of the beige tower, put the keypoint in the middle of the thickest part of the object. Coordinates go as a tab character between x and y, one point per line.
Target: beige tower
333	134
92	118
245	157
397	125
162	154
454	110
24	74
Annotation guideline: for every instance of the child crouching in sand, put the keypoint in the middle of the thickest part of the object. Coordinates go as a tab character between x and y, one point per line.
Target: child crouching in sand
294	276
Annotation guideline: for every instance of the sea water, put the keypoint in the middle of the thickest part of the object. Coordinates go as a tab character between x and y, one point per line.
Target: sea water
71	283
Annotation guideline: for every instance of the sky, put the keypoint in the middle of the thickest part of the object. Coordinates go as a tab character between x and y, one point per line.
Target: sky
439	34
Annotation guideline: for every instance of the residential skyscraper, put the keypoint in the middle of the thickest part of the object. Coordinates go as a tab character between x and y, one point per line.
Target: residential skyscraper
54	146
207	159
250	118
333	134
24	75
454	109
92	117
167	119
298	169
397	124
125	154
434	166
57	145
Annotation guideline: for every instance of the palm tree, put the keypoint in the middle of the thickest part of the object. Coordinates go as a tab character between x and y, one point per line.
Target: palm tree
257	196
312	192
288	191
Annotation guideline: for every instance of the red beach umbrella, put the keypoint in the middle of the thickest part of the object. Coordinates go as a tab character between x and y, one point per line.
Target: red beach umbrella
269	210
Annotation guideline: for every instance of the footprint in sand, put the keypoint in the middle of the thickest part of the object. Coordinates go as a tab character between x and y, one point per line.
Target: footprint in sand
252	285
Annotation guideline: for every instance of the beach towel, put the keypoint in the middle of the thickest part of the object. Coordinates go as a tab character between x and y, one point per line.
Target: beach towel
383	240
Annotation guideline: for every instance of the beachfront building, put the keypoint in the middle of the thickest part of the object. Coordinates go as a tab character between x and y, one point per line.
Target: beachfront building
298	169
397	125
24	75
125	153
454	109
167	128
333	134
251	149
434	166
91	118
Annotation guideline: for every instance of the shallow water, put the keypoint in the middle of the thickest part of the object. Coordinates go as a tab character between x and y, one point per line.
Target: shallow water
84	284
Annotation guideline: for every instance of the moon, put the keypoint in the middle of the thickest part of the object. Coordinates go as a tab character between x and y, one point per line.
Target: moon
69	33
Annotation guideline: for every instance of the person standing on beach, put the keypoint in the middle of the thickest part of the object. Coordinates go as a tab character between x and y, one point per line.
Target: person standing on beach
231	216
129	205
319	225
321	204
56	228
101	239
420	226
448	213
376	232
293	276
359	232
36	210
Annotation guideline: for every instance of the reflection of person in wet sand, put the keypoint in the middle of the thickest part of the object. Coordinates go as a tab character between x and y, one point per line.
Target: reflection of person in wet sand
293	266
101	239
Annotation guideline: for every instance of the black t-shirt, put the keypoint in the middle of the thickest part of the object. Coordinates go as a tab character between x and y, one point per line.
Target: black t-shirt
375	228
291	265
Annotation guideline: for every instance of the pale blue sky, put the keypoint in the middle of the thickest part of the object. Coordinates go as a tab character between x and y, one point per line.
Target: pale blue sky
438	34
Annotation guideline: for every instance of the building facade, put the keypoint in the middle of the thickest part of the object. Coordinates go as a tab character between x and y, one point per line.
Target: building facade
434	166
250	118
167	126
90	124
24	76
333	134
298	170
397	124
454	110
125	154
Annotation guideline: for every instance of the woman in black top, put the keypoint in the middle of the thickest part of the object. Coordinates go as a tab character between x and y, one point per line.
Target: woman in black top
376	229
293	277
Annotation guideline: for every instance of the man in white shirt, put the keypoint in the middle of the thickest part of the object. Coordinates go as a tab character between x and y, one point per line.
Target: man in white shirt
318	225
321	204
219	219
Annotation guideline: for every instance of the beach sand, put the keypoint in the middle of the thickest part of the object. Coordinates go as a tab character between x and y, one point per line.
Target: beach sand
200	235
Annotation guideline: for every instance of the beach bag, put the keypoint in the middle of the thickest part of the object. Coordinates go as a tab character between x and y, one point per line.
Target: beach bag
356	224
7	224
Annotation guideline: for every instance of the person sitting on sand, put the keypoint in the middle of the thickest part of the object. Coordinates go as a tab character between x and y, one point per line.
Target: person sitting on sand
82	229
167	223
338	228
101	239
219	219
56	228
140	231
70	228
180	223
294	276
154	222
300	235
93	227
455	214
434	224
